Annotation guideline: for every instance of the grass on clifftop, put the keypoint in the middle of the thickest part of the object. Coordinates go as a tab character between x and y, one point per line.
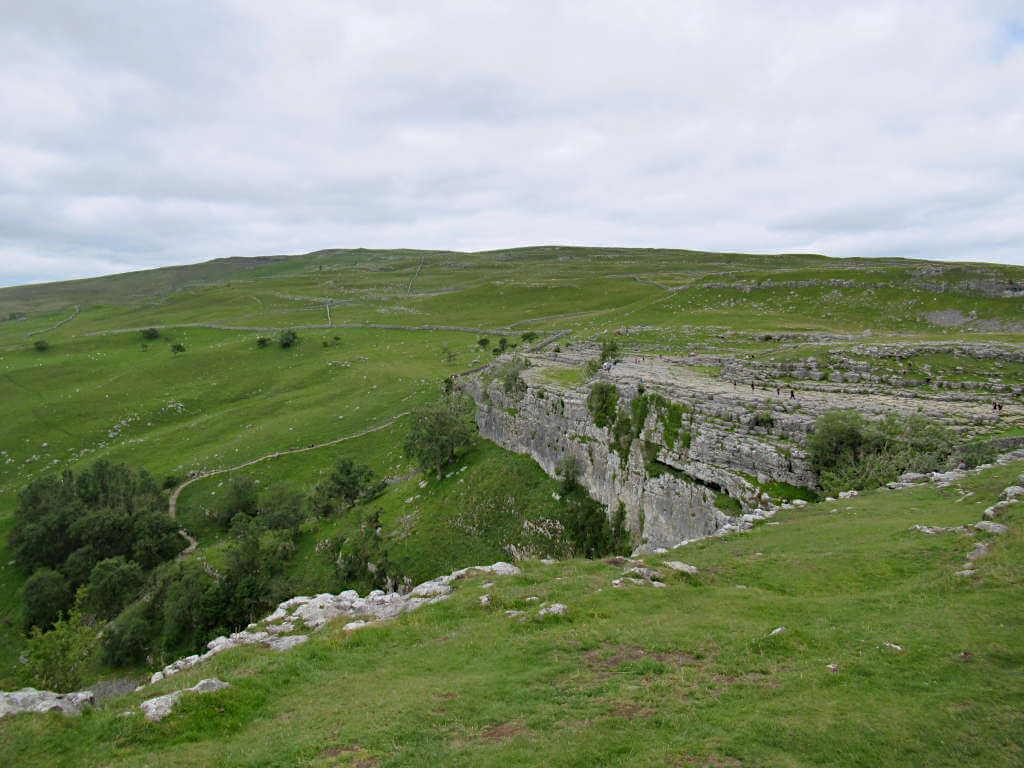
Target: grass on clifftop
685	675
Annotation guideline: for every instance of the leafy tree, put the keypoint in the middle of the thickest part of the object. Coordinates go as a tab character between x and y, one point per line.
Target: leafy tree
156	538
602	402
502	344
438	432
113	583
55	659
288	338
280	507
609	350
363	560
150	333
240	498
483	342
41	345
510	374
129	639
78	567
177	347
47	595
262	341
528	336
348	483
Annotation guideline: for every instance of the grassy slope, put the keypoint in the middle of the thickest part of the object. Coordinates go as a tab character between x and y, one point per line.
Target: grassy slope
65	407
686	675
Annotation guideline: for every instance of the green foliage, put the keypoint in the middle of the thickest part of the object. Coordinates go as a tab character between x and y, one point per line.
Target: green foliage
240	499
602	402
347	484
280	508
177	348
978	452
728	504
150	333
849	451
363	562
113	583
763	419
129	639
639	409
262	341
672	423
483	342
41	345
623	433
609	350
590	368
55	659
528	337
288	338
438	432
510	374
47	595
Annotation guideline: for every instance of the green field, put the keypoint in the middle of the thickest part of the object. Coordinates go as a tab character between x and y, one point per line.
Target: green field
379	332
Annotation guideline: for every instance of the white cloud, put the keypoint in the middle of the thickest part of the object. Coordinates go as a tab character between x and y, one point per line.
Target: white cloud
188	131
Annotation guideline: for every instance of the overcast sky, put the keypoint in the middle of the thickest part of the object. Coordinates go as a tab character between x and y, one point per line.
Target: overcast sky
143	134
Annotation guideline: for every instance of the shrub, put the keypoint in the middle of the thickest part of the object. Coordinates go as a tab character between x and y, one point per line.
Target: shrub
47	595
438	432
348	483
511	379
288	338
113	583
609	350
262	341
41	345
150	333
177	348
55	658
602	402
978	452
528	337
129	639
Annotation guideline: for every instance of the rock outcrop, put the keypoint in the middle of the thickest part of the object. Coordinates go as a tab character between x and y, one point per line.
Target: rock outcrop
31	700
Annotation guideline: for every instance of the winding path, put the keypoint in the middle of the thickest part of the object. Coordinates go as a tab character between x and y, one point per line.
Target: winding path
172	506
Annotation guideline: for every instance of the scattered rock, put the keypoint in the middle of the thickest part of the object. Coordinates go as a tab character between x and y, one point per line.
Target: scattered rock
31	700
966	572
989	527
777	631
485	600
644	573
833	668
933	530
897	648
675	565
1011	492
980	550
548	560
159	707
555	609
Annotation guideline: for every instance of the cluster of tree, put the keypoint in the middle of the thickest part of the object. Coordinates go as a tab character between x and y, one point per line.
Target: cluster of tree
287	338
848	450
363	562
99	530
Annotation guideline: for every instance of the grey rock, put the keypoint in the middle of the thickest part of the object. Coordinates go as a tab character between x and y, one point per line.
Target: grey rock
555	609
32	700
1011	492
287	642
990	527
159	707
644	573
676	565
485	600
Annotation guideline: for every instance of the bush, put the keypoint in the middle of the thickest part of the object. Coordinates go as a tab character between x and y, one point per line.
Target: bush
978	452
177	348
240	498
601	402
113	583
150	333
849	451
41	345
129	639
510	374
528	336
47	595
288	338
609	350
262	341
55	658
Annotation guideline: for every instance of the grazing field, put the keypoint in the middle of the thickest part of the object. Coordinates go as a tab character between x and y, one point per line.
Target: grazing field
187	373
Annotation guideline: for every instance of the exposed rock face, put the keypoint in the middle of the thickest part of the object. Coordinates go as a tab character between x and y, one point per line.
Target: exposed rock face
667	484
31	700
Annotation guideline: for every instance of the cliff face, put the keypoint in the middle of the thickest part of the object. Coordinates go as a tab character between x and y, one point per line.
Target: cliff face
691	450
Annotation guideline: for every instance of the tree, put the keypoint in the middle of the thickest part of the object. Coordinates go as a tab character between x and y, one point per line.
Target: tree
348	483
240	498
55	658
47	595
528	336
502	343
113	583
262	341
288	338
177	347
483	342
438	432
609	350
128	640
41	345
150	333
280	508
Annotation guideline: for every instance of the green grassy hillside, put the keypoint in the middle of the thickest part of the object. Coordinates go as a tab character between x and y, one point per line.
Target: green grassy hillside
379	331
690	674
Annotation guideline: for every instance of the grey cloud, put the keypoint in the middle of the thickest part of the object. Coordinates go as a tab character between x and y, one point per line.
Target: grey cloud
183	131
